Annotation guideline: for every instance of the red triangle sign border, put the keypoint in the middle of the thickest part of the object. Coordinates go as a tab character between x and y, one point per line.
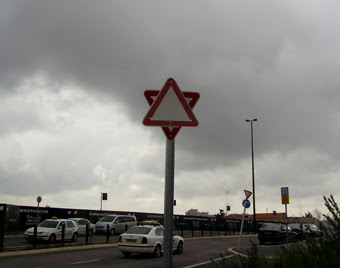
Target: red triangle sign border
171	133
163	123
248	193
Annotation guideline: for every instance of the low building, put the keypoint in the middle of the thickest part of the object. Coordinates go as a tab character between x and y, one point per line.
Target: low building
261	217
195	212
274	217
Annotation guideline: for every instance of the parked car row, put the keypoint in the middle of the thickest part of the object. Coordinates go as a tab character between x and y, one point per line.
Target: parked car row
303	229
51	229
281	233
146	238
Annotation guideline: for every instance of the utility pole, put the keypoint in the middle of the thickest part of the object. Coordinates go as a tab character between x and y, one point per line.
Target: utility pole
253	171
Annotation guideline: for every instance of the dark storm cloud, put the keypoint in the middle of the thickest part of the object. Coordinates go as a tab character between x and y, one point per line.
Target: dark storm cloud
124	48
275	61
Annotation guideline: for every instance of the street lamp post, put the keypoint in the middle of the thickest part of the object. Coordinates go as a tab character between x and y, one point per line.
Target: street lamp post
253	173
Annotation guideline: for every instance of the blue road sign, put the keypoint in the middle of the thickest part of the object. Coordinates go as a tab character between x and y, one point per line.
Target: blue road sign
246	203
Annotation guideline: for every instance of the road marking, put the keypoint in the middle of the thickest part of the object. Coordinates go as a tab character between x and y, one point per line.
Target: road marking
81	262
203	263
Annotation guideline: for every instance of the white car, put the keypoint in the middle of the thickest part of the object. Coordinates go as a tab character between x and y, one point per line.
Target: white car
82	223
147	239
51	230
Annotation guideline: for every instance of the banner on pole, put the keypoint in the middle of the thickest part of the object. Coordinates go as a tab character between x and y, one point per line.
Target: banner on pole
285	195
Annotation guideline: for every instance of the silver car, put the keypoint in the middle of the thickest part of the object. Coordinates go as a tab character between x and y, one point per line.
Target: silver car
115	223
82	223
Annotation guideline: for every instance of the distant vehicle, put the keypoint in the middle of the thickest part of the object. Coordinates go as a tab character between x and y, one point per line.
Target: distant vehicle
153	223
275	233
263	225
116	223
329	228
299	229
147	239
82	223
51	230
313	230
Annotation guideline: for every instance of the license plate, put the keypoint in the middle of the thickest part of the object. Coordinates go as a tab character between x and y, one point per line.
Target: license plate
268	233
131	240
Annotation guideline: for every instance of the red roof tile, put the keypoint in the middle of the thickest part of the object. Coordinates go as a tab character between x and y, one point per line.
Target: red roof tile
259	216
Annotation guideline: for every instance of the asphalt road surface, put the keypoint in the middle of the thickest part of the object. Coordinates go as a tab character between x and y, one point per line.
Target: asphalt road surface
198	252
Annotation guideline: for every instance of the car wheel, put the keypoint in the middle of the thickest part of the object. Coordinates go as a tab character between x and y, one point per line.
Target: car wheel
157	252
179	249
75	237
112	232
52	238
126	254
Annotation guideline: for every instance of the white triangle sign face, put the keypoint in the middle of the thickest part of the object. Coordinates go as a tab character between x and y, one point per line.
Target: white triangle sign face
191	98
248	193
171	103
170	108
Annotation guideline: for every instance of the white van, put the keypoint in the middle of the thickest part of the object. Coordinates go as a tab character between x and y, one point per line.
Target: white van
117	223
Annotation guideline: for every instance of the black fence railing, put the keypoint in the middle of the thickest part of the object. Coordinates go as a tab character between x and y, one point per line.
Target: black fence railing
16	219
16	242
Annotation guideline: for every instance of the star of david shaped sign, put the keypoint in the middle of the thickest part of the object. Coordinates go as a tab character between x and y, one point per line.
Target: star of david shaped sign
170	108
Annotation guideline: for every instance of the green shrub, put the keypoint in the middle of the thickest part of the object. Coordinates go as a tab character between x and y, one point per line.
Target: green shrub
320	252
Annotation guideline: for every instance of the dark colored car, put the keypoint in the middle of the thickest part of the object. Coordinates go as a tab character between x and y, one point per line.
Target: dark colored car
313	230
299	229
275	233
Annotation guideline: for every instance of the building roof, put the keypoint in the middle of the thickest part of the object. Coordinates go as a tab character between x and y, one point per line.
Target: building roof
259	216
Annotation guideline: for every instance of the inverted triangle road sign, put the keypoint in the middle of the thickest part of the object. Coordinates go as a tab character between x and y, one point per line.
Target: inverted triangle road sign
190	97
170	109
248	193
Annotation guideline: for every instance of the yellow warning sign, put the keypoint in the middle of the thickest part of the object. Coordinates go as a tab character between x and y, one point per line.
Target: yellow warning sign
285	199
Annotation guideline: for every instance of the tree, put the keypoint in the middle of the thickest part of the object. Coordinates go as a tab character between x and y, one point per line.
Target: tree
308	215
317	214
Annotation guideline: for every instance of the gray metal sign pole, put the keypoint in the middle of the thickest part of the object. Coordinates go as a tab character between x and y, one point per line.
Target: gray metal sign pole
239	239
287	225
169	202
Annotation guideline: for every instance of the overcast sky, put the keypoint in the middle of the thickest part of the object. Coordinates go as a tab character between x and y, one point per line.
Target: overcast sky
72	78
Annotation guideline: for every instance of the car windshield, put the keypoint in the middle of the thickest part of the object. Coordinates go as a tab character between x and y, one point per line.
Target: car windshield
108	218
295	226
48	224
139	230
272	227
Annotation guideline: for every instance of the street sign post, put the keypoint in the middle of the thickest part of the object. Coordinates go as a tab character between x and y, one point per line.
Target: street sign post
191	98
103	196
39	199
248	193
171	110
285	195
285	201
245	204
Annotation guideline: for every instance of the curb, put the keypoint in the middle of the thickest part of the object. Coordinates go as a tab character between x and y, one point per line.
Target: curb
26	252
52	250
